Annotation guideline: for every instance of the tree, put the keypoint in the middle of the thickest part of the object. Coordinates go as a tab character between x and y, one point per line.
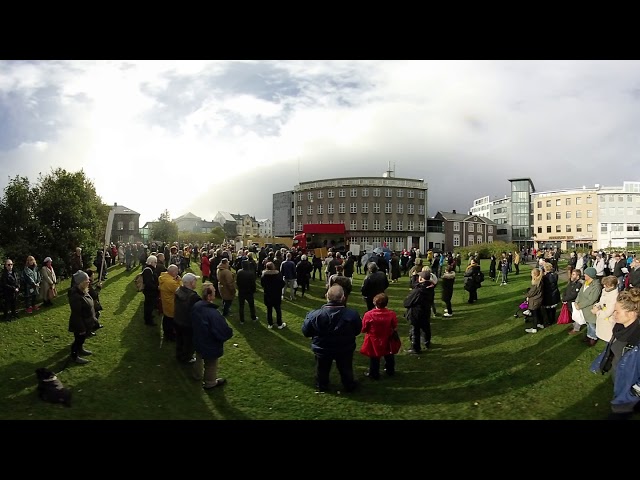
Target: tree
165	230
70	214
17	223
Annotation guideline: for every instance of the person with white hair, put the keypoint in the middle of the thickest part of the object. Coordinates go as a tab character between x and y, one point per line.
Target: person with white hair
151	289
47	282
185	298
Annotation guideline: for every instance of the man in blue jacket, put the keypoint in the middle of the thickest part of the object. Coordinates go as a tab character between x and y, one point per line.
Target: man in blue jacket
333	329
210	331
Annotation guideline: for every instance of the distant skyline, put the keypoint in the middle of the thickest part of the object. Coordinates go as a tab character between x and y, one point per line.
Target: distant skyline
208	136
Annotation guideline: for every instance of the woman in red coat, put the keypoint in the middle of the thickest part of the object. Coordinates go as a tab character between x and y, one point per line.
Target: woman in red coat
205	266
378	325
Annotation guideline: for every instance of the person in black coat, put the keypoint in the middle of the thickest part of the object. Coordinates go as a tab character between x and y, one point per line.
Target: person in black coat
10	289
550	294
317	266
151	289
492	268
303	274
472	281
376	282
447	281
573	288
272	284
418	304
246	284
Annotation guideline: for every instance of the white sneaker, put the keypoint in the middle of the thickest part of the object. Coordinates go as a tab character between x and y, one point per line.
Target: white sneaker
531	330
282	326
448	315
540	326
269	326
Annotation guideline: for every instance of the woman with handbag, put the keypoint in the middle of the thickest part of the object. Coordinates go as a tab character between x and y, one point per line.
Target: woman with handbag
379	326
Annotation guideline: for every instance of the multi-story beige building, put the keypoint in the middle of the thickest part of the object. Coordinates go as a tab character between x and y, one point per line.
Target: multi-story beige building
376	211
565	219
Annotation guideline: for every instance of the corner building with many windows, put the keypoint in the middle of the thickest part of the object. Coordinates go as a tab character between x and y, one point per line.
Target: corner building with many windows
376	211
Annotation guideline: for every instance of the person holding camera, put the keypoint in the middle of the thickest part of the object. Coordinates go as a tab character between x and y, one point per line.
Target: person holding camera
418	304
622	356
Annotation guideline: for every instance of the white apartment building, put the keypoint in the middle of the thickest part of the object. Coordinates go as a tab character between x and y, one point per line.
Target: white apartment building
619	216
265	228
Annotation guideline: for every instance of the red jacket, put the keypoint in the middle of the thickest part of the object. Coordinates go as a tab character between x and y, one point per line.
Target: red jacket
205	266
378	325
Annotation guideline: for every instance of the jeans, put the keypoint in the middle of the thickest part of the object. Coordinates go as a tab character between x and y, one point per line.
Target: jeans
591	331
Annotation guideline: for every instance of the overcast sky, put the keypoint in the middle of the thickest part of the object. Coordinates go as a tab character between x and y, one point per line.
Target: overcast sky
203	136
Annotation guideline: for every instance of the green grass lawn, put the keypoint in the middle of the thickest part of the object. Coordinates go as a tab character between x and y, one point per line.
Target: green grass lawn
482	365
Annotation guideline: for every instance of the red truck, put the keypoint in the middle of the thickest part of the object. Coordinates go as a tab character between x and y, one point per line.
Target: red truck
322	235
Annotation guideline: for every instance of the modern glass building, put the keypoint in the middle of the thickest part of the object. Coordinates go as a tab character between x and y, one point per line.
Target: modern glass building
522	212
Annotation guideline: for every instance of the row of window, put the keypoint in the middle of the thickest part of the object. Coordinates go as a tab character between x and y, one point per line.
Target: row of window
376	224
470	240
567	201
620	227
353	193
567	214
568	228
364	208
472	227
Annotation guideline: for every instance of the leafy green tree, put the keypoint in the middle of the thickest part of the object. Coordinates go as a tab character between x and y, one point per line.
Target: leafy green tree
217	236
18	227
70	214
165	230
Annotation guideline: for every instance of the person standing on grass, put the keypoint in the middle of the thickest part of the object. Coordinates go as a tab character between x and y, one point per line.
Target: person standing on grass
246	282
378	325
226	285
10	289
448	279
94	291
419	303
588	295
550	294
185	298
210	331
48	283
82	317
169	282
622	356
472	281
603	309
272	285
516	261
572	289
303	274
374	283
333	329
150	289
31	284
535	296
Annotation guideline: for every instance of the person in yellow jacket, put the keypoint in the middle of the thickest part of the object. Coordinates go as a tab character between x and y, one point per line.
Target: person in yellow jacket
169	282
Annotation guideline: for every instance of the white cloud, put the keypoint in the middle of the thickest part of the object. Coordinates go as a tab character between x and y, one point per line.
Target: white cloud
216	135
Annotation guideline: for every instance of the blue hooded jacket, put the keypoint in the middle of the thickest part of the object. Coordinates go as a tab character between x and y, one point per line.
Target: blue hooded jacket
210	330
333	328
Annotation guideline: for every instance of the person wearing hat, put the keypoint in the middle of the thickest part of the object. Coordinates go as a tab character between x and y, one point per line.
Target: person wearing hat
588	295
83	316
47	283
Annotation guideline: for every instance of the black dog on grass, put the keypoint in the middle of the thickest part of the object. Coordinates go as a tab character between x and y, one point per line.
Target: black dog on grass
50	389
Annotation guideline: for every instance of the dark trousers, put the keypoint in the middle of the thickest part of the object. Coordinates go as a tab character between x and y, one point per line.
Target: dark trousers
344	364
252	306
389	364
30	300
447	302
9	304
278	308
313	274
423	325
150	302
517	265
76	346
370	305
184	343
168	328
226	307
551	316
473	295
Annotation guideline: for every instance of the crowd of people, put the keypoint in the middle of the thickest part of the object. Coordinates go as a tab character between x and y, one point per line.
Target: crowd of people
604	295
